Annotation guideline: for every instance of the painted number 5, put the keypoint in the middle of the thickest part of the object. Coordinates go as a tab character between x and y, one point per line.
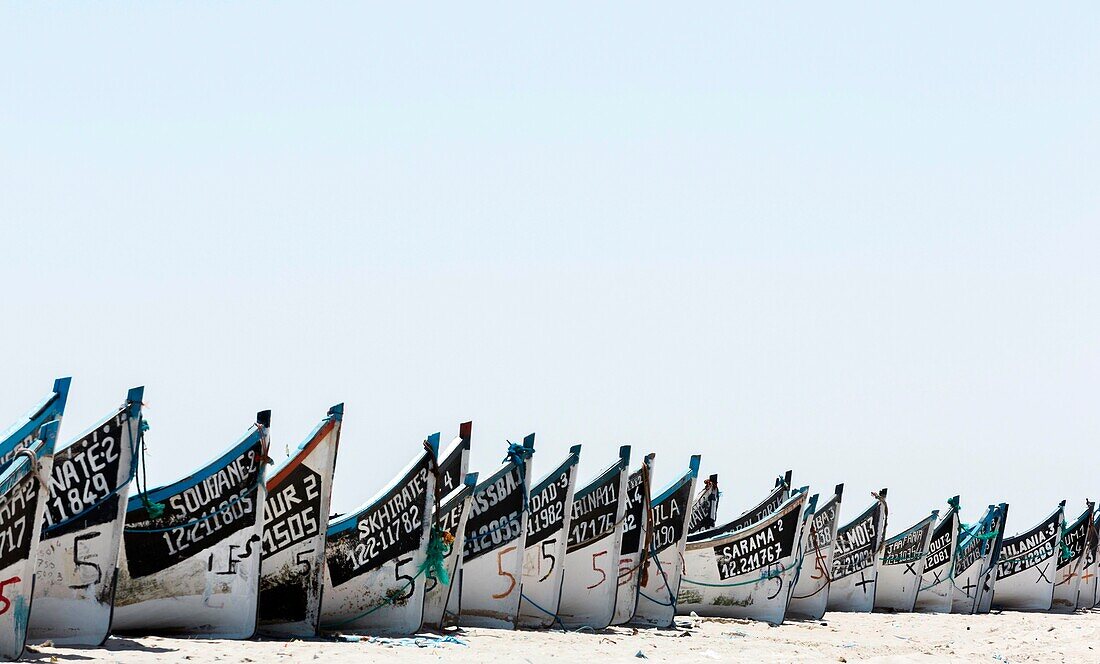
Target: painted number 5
501	572
603	574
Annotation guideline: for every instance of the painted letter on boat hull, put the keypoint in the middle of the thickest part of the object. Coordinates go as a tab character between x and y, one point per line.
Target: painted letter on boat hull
660	579
1028	567
934	595
1071	560
544	554
748	573
22	503
811	592
195	569
704	510
496	534
457	489
902	564
374	555
84	517
974	560
296	514
595	539
856	557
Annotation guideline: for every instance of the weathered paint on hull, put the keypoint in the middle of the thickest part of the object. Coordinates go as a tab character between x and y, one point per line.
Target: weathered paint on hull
1026	570
810	596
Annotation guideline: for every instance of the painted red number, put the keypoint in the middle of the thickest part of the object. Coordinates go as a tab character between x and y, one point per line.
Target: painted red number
501	572
603	574
5	600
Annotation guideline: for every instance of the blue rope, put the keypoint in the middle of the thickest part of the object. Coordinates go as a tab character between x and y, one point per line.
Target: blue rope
671	598
557	619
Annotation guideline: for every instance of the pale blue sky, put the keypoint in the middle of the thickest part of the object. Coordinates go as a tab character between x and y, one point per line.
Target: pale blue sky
859	241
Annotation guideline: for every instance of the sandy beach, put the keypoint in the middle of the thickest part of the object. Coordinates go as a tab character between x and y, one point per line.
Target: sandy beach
1007	637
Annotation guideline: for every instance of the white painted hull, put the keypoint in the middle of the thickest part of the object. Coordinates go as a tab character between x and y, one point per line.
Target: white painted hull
902	564
84	518
589	589
296	515
457	489
856	560
747	573
547	535
936	583
660	582
374	555
1027	569
810	597
635	533
1071	564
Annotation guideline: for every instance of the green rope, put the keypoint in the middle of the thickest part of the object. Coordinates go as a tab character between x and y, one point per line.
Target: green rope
765	577
154	509
435	562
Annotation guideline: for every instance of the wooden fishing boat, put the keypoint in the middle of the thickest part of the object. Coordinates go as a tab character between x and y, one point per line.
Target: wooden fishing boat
637	531
993	557
296	515
23	495
975	559
811	591
856	559
704	509
1028	566
660	576
28	428
902	564
747	573
765	508
547	533
456	486
496	535
1086	595
84	518
934	595
589	591
376	557
190	560
1071	562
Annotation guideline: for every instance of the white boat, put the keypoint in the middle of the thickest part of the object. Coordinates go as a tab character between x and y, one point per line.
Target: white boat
636	534
190	560
28	428
496	535
974	559
296	514
1086	595
1071	562
660	577
84	518
936	582
23	494
704	509
993	557
856	559
589	591
811	591
456	486
547	533
902	564
376	557
765	508
747	573
1028	566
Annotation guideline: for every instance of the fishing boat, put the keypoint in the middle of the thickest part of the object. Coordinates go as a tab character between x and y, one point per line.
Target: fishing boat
992	558
589	591
1086	595
83	522
704	509
936	582
636	535
747	573
660	576
456	487
1028	566
547	533
902	564
765	508
1071	562
975	558
856	559
496	535
190	559
810	597
23	495
28	428
296	515
375	556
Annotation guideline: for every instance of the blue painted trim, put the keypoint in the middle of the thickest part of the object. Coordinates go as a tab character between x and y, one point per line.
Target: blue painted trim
349	520
552	476
617	467
337	412
676	485
159	494
470	480
274	470
132	408
693	464
52	407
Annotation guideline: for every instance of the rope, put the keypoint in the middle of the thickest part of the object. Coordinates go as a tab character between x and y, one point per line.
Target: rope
556	617
817	563
221	510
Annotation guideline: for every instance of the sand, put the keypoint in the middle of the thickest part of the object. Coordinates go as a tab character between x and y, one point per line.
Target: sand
840	637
